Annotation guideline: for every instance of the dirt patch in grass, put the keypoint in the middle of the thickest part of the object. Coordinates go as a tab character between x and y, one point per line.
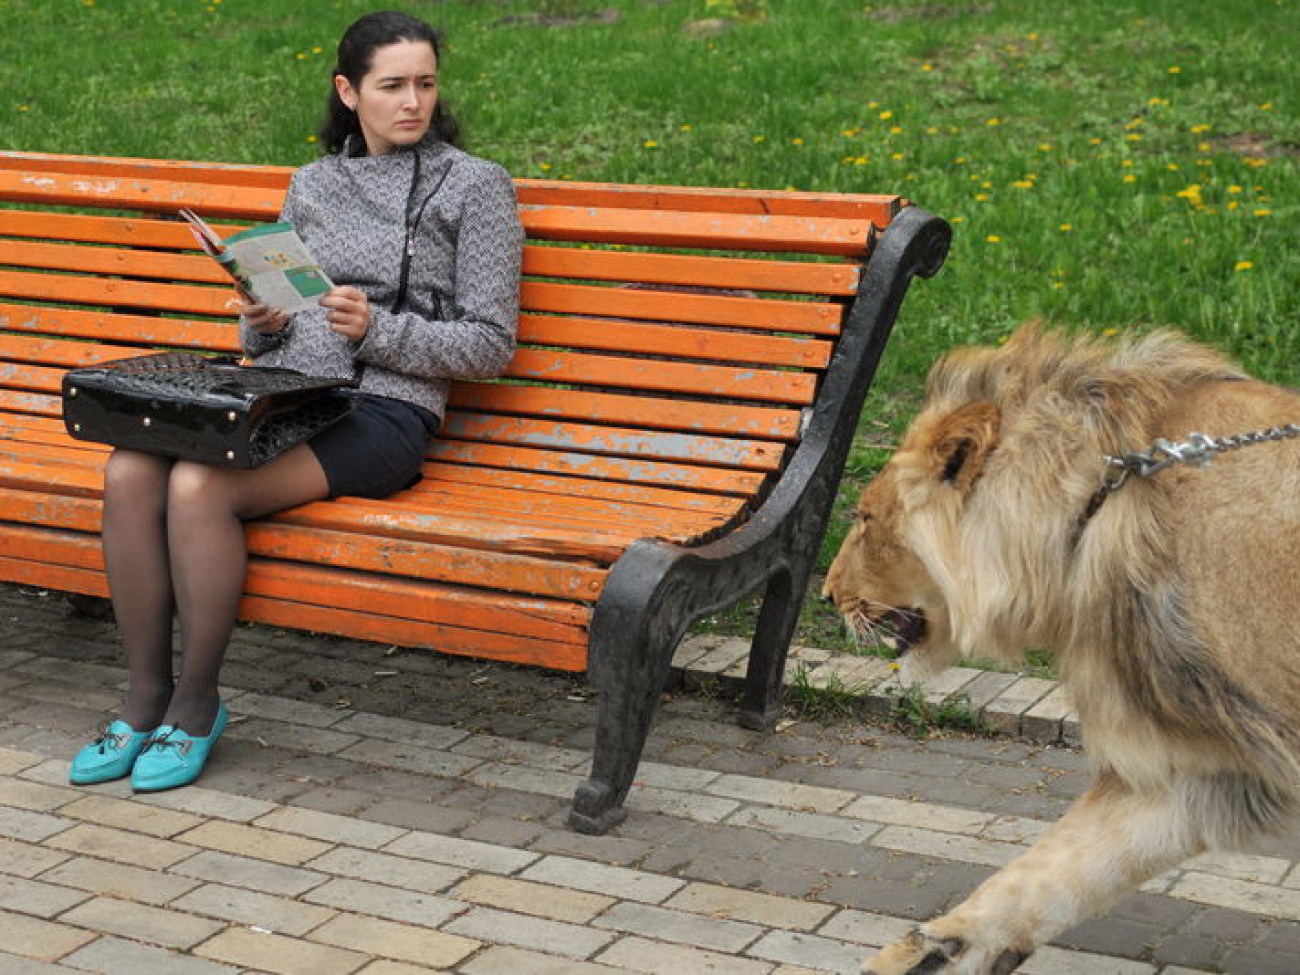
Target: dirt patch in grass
1251	145
928	11
574	19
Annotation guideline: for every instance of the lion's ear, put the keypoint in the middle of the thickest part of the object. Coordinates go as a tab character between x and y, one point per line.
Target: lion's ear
963	441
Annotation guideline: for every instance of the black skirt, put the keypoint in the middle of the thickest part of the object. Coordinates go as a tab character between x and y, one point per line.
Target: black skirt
376	449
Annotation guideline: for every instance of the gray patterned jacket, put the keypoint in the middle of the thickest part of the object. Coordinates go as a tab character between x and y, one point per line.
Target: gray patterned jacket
461	308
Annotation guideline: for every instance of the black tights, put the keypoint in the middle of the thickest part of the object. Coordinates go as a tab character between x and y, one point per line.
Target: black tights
174	546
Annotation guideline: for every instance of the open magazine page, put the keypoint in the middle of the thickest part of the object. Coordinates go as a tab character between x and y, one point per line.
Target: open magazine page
270	262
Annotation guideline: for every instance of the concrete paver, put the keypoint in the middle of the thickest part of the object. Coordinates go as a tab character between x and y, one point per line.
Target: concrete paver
380	812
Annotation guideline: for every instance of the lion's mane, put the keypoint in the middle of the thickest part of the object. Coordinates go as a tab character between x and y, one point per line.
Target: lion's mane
1022	560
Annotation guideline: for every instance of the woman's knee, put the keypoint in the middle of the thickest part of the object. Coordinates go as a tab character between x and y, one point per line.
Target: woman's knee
197	489
136	478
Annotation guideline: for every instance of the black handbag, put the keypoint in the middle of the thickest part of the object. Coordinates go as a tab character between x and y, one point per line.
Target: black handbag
197	408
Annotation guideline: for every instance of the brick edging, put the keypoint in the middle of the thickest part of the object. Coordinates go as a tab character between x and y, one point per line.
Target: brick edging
1028	708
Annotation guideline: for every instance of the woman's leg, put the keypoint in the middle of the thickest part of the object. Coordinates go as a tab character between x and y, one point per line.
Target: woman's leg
139	579
206	511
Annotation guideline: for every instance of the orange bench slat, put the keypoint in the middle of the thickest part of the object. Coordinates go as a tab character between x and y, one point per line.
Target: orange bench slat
674	341
651	472
142	330
117	293
773	423
120	261
689	270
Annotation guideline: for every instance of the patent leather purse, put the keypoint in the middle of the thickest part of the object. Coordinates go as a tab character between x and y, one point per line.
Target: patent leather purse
197	408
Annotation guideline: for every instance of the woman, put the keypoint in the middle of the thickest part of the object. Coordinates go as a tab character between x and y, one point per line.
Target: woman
427	242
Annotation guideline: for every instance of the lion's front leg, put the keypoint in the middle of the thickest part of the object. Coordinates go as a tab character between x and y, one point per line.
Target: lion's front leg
1109	842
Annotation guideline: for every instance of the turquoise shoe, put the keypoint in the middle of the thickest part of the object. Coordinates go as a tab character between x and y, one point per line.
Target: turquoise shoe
174	758
110	756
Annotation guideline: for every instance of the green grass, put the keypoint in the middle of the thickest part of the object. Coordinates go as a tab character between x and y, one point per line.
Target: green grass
1108	164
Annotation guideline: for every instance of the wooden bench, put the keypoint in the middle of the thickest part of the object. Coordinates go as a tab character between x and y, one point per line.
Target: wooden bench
668	439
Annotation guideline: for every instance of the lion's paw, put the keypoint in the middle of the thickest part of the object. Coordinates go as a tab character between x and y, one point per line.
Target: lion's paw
921	954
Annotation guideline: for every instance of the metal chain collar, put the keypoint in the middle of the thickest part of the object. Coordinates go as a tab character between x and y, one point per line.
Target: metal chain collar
1197	450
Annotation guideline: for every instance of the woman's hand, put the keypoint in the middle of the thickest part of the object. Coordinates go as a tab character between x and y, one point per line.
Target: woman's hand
266	320
347	311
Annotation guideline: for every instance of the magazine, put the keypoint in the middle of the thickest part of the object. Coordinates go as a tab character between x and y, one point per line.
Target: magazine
270	262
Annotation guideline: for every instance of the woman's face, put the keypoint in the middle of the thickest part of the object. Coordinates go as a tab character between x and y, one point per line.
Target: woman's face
394	101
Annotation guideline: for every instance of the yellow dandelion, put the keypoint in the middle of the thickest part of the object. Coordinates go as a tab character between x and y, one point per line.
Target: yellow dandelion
1242	266
1066	227
650	144
886	115
991	122
1130	178
1263	213
993	239
1175	69
1110	333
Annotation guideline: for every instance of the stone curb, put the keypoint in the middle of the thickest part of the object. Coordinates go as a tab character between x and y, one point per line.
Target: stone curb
1027	708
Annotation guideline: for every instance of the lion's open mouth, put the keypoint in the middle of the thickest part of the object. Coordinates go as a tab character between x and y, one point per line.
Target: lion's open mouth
906	628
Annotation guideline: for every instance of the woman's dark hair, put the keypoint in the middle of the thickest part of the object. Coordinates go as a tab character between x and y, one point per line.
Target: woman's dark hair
355	58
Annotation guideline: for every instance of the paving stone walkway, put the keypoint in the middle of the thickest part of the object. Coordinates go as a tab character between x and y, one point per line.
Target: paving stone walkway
378	812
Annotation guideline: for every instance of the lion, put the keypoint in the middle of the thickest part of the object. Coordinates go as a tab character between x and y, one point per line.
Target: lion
1014	514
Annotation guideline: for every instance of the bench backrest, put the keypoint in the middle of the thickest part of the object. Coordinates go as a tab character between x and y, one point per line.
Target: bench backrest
669	336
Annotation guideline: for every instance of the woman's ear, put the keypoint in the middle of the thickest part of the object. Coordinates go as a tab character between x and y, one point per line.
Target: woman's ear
347	94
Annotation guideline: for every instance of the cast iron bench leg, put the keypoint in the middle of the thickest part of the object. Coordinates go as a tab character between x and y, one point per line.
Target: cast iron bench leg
777	619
